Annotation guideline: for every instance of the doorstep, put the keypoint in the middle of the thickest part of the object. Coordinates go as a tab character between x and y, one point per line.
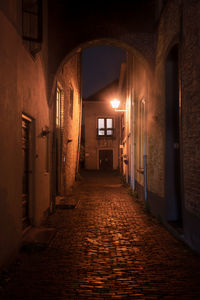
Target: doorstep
37	238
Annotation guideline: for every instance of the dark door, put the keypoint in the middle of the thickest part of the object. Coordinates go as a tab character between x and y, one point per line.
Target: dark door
106	160
173	119
26	171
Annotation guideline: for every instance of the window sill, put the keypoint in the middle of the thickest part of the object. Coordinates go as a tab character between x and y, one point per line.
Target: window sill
111	137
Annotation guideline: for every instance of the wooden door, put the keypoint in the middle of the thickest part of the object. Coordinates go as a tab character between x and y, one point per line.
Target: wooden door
106	160
26	171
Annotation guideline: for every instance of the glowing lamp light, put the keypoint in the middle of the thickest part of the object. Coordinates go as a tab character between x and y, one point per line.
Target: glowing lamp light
115	103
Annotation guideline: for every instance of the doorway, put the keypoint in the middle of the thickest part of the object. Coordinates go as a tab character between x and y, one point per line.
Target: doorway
58	140
172	148
26	160
106	160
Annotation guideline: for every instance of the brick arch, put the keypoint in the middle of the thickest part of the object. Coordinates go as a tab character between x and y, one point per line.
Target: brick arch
174	43
72	24
110	42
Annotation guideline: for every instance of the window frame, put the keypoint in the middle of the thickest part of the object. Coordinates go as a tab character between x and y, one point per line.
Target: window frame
27	14
141	129
105	128
58	107
71	101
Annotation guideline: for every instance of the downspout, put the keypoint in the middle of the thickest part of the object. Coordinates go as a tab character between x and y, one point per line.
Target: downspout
145	172
145	155
132	127
79	55
181	40
132	144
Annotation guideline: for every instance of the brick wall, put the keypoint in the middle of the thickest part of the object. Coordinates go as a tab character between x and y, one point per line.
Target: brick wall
69	78
168	30
190	73
179	24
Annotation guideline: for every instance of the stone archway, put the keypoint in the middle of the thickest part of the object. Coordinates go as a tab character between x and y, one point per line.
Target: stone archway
105	41
72	25
75	53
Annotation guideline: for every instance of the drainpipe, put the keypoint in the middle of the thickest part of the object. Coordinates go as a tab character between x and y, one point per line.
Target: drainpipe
145	172
132	88
132	158
145	158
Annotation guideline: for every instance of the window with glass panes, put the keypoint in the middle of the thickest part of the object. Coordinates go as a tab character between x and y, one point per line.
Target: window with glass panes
105	127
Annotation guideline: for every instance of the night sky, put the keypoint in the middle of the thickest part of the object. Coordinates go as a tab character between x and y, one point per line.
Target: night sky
100	66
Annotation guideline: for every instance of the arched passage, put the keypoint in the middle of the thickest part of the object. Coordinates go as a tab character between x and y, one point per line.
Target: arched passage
106	41
134	60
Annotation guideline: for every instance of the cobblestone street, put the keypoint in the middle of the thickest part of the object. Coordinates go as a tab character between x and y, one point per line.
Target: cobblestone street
108	247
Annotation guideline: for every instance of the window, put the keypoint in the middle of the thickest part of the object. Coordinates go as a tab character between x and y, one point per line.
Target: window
32	25
58	110
105	127
32	20
71	102
141	132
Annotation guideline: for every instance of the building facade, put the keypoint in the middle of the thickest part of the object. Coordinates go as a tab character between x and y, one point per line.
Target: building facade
40	136
101	130
40	113
68	111
160	139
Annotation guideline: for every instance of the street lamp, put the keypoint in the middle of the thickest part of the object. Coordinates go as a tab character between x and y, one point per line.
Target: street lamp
115	104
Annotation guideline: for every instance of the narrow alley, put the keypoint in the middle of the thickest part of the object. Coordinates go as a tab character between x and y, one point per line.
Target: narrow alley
105	246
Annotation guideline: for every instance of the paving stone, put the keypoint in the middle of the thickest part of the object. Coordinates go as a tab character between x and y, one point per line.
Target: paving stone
107	247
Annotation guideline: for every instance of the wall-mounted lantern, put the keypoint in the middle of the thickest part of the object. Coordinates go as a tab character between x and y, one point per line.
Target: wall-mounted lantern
69	141
45	131
115	104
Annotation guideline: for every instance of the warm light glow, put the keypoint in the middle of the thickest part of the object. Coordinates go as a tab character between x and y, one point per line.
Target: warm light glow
115	103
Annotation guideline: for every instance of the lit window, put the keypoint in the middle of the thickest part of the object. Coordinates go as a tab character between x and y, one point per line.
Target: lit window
58	110
141	132
71	102
105	127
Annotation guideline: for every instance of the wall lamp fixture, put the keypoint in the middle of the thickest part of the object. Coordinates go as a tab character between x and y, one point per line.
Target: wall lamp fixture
45	131
115	104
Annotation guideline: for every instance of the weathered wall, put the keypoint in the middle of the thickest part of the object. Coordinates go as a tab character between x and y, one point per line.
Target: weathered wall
10	121
190	74
70	77
168	29
141	99
23	90
179	24
92	111
136	93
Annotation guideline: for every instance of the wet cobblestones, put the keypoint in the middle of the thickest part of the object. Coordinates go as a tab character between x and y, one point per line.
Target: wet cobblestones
108	247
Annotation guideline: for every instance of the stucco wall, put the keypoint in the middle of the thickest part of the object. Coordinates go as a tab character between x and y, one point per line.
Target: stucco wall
93	111
23	90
